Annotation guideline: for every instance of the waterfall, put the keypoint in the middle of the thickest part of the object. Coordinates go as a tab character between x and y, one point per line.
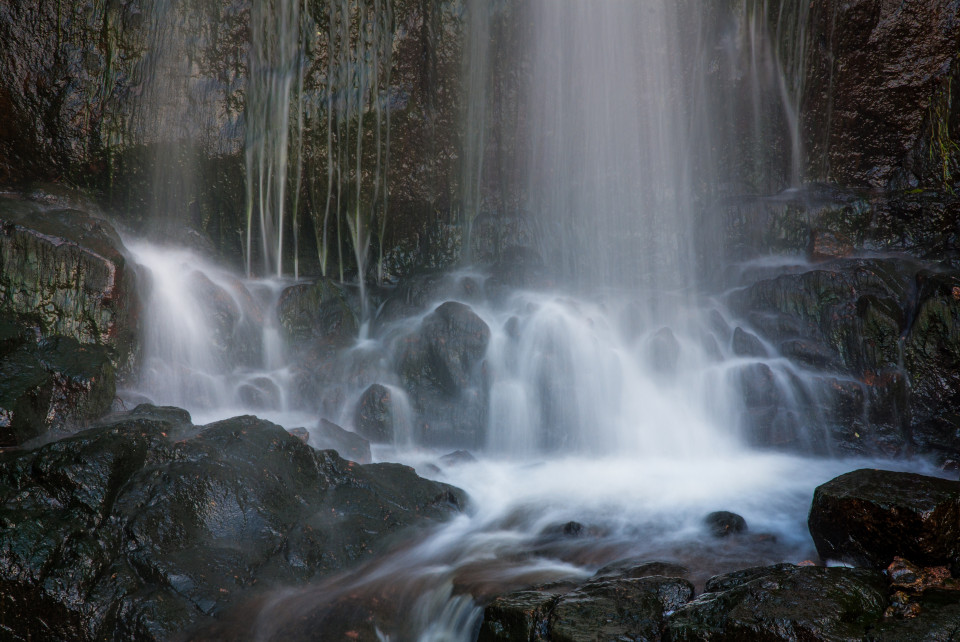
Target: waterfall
611	392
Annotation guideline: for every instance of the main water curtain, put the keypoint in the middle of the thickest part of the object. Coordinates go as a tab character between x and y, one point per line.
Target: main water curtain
616	124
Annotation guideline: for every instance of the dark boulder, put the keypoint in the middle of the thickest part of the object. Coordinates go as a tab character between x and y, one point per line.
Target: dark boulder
441	367
868	517
457	458
639	568
145	524
320	310
374	417
784	603
724	523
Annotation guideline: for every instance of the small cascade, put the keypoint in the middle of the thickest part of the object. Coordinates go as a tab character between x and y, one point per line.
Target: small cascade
570	376
211	343
274	91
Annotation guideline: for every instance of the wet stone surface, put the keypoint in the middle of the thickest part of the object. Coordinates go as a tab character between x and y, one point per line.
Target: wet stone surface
145	525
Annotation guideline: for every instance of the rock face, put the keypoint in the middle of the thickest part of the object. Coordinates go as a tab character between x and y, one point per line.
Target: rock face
145	102
882	335
868	517
145	525
784	603
877	104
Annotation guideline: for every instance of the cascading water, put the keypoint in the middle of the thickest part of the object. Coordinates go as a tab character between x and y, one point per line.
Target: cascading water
613	402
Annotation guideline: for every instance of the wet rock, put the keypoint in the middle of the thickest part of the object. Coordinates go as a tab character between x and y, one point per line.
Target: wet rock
234	317
759	386
64	273
261	393
854	310
746	344
905	576
374	416
317	311
55	385
300	433
724	523
784	603
809	353
348	445
519	616
617	609
159	524
867	130
25	390
826	245
868	517
600	609
440	366
567	530
932	359
934	615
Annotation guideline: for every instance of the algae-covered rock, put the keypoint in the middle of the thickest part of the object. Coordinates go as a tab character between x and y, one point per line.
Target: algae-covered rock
65	272
145	524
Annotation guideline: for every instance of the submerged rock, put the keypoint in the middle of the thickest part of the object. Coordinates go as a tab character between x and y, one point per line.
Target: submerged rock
724	523
145	524
869	517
